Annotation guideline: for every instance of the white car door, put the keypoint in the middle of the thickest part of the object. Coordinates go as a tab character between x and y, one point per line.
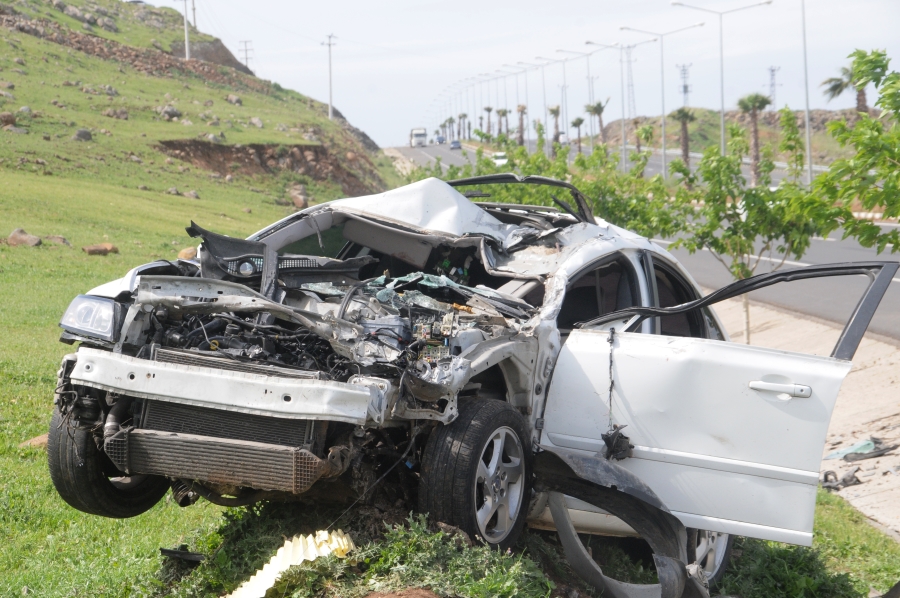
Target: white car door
729	436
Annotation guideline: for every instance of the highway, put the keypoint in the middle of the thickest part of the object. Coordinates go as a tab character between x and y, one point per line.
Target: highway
424	156
830	299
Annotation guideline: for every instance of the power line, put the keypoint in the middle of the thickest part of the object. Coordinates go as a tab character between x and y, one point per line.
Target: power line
773	84
246	50
685	88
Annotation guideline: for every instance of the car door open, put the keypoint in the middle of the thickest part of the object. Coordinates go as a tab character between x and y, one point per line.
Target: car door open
729	436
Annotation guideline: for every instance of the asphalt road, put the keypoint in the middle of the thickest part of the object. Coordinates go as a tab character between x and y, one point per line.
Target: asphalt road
829	298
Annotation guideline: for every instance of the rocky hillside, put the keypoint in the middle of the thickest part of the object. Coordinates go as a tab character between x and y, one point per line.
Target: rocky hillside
95	91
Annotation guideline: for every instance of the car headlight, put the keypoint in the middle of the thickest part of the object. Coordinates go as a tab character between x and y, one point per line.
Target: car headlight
93	317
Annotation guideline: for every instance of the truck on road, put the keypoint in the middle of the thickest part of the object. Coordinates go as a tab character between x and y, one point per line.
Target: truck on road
418	137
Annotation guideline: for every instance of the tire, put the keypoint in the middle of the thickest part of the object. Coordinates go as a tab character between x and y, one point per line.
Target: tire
87	480
476	472
712	551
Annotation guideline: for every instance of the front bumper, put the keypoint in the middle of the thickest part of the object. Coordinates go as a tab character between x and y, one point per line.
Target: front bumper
257	394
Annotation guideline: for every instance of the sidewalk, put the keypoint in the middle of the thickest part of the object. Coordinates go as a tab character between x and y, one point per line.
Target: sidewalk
868	404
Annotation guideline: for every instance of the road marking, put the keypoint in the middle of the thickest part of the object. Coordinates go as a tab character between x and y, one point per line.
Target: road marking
765	259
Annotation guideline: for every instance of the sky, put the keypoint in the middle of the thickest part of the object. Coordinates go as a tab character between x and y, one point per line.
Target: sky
394	60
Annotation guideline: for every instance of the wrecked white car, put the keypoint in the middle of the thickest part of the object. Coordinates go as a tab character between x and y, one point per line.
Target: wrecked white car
507	364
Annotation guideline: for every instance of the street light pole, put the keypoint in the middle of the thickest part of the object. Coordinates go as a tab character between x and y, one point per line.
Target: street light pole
187	41
587	56
720	13
809	163
525	118
543	91
329	43
621	86
662	81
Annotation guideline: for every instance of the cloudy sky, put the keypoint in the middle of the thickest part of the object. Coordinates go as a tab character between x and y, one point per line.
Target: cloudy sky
395	58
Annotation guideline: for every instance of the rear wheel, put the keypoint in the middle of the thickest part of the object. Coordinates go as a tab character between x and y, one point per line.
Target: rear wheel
712	551
476	472
87	480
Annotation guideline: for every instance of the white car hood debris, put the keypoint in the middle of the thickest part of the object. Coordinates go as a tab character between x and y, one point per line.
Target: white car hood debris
430	205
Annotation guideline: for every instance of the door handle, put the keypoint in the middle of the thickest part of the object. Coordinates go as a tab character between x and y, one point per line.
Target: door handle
788	390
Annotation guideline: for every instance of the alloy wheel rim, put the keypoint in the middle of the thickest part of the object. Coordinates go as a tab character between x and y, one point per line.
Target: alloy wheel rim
711	550
499	483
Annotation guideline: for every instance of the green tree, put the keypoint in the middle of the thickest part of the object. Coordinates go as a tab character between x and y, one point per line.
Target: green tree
488	109
870	179
744	226
597	110
577	124
752	104
520	132
684	116
835	86
642	134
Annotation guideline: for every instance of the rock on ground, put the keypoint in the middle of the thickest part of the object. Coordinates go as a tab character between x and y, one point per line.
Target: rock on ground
7	118
20	237
58	240
188	253
233	99
36	442
192	194
256	122
82	135
100	249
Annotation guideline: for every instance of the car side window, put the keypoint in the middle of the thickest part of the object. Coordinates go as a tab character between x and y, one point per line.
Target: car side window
673	290
601	290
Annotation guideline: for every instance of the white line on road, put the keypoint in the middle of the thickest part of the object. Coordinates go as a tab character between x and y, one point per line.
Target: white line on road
765	259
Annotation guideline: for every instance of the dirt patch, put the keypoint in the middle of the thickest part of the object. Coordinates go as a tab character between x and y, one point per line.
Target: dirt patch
314	161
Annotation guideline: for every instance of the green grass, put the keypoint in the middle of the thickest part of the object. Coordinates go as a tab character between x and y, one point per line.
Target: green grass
48	148
132	31
88	193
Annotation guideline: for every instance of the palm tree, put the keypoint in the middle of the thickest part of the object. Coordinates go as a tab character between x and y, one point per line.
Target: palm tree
450	122
520	134
480	123
501	112
684	116
488	109
597	110
835	86
461	127
752	104
577	124
554	112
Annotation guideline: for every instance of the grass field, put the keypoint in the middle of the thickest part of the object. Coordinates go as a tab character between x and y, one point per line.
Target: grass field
89	193
57	551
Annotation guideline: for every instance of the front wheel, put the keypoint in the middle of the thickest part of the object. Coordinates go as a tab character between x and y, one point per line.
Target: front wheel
712	551
476	472
87	480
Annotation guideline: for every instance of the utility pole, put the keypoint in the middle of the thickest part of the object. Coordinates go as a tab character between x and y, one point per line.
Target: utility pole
194	9
187	40
632	108
773	84
685	88
329	43
246	49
